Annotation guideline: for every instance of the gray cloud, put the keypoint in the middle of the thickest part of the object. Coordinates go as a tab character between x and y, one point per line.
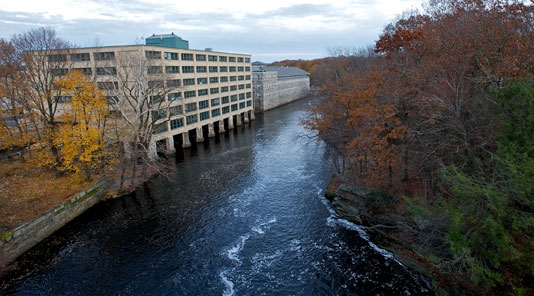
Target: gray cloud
304	31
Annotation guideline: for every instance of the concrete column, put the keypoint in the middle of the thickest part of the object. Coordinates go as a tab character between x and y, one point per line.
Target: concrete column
153	150
252	116
185	140
230	122
211	130
200	135
221	127
238	120
246	117
170	145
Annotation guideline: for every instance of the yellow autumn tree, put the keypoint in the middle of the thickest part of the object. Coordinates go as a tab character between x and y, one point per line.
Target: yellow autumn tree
81	134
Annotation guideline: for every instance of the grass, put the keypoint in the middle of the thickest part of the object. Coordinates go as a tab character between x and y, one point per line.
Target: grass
28	192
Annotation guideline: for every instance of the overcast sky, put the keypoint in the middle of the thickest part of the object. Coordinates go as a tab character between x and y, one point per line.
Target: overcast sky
269	30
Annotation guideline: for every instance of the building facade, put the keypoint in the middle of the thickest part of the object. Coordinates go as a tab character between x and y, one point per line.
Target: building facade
276	86
193	93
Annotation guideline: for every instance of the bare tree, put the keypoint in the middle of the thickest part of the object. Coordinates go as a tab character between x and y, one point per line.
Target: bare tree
44	58
137	87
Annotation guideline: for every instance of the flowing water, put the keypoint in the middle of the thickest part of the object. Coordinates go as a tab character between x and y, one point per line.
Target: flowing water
241	214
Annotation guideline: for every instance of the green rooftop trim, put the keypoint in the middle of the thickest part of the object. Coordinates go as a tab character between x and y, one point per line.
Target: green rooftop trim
167	40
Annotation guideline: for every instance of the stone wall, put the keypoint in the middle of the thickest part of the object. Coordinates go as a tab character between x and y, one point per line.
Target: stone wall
24	237
271	92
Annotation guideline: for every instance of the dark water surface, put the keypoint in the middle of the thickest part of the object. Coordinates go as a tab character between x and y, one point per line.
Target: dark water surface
241	214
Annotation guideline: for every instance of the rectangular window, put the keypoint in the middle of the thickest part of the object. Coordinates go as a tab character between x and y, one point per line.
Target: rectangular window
233	87
174	96
57	58
212	58
242	105
240	77
231	59
203	104
224	78
233	98
225	100
160	128
202	92
175	110
247	60
232	68
201	69
222	59
249	95
224	89
172	69
191	119
233	78
205	115
215	112
153	55
156	99
171	56
215	102
190	94
248	85
241	97
154	70
225	109
240	69
214	90
213	69
173	83
63	99
177	123
106	71
202	80
156	84
200	57
80	57
239	59
241	86
214	79
158	114
189	81
85	71
108	85
249	103
247	77
223	69
247	68
188	69
59	72
190	107
104	56
187	56
234	107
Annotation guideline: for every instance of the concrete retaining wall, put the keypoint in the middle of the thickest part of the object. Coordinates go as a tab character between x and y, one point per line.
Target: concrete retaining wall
26	236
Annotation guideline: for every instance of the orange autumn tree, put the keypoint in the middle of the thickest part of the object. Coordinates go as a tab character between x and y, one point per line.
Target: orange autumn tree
82	134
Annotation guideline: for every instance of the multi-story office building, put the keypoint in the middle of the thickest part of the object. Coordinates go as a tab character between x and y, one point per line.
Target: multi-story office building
192	93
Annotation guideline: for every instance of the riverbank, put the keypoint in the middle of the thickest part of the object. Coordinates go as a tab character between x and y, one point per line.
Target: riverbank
386	222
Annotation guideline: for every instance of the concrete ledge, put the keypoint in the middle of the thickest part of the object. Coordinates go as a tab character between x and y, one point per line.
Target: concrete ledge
21	239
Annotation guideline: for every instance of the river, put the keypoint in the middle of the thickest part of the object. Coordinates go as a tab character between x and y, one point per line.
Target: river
243	213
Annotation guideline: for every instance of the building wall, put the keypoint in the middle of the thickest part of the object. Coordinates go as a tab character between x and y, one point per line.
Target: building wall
271	92
219	85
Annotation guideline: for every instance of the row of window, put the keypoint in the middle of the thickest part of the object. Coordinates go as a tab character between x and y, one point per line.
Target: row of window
193	118
158	70
150	54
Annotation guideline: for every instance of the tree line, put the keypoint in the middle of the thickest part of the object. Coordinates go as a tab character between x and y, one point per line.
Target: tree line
440	112
67	122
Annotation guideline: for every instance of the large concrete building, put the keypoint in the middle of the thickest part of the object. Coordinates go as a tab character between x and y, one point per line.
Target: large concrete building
278	85
205	92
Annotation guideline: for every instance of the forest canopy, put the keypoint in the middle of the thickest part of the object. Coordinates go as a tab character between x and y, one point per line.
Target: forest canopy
442	114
